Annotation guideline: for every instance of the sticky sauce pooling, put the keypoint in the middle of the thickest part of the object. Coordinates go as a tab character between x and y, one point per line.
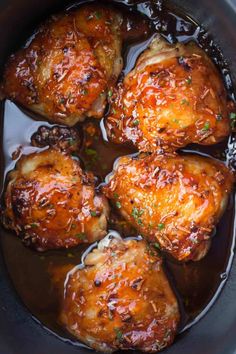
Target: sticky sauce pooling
32	278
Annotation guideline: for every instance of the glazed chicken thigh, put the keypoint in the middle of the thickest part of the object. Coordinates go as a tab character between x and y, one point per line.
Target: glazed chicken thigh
65	71
173	97
121	299
170	199
51	203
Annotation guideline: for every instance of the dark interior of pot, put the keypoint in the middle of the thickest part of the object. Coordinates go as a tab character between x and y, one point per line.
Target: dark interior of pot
28	309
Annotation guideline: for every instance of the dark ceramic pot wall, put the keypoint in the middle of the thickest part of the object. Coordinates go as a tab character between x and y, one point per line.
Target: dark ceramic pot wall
216	333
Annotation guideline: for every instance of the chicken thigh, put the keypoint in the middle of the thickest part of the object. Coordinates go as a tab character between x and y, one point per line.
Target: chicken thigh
121	299
173	200
64	73
173	97
51	203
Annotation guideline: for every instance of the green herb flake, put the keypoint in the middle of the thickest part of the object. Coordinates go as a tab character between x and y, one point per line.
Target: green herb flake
110	93
90	152
118	205
116	196
98	15
206	127
81	236
160	226
114	111
136	213
185	101
62	100
71	141
84	92
139	221
93	213
34	225
156	245
175	120
119	334
232	115
136	122
189	80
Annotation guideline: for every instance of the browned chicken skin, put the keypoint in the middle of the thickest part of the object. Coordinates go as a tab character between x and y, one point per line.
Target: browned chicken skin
121	299
173	97
51	203
174	200
63	138
71	62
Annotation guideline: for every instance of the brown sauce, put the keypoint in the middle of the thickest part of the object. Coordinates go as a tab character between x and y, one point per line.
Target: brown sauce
197	284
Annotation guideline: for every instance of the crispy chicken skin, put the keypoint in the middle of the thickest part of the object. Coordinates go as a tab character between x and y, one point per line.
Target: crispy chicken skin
65	71
121	299
173	200
51	203
173	97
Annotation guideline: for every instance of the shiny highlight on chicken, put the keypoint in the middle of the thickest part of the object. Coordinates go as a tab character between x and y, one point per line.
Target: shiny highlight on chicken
66	70
121	298
174	200
51	203
174	96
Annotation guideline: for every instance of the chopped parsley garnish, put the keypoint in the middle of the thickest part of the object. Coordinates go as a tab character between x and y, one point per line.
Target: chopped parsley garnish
116	195
232	115
62	100
90	152
156	245
137	213
114	111
206	127
118	205
93	213
81	236
71	141
119	334
84	92
189	80
98	15
136	122
110	93
175	120
160	226
34	225
185	101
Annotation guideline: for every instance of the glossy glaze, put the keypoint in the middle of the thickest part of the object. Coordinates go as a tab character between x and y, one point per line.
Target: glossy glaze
173	200
50	203
68	66
121	299
31	272
174	96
